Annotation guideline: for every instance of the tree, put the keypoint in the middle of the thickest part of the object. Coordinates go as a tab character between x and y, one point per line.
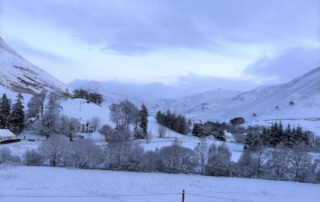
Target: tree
124	114
176	159
150	161
35	106
68	126
53	149
17	116
162	131
177	123
83	154
5	107
50	119
247	164
32	158
7	157
201	155
143	113
107	131
95	123
278	162
219	163
301	162
118	149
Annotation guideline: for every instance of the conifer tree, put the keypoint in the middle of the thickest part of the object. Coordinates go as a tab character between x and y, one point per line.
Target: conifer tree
144	120
5	105
17	116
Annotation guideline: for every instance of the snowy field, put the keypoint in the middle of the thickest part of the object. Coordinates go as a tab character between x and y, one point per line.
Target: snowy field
60	184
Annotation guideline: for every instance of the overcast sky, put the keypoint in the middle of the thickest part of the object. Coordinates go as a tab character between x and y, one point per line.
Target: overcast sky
234	44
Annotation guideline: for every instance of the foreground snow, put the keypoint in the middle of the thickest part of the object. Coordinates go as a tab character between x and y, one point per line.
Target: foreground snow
60	184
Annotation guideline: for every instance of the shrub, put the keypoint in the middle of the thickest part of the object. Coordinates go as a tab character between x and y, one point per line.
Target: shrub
237	121
32	158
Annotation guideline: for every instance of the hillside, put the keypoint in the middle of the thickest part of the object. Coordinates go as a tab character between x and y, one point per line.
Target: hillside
272	102
17	74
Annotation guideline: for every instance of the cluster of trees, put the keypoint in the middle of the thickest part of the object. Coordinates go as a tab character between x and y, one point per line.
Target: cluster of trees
12	115
281	163
173	121
95	98
44	116
121	153
276	134
125	115
210	128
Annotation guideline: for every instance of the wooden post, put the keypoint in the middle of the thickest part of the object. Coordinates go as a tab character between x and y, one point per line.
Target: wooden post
183	192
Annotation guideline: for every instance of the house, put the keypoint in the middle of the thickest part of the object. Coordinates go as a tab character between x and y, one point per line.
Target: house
6	136
85	127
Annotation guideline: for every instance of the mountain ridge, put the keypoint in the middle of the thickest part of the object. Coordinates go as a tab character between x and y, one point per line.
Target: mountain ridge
20	75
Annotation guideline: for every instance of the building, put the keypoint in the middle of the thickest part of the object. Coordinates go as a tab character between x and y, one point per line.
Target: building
6	136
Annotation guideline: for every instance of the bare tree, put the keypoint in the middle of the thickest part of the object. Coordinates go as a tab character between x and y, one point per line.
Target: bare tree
107	131
162	131
219	164
201	155
301	162
53	149
124	114
278	162
83	154
50	119
95	123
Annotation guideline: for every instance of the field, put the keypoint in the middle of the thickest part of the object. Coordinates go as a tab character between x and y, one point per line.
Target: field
20	183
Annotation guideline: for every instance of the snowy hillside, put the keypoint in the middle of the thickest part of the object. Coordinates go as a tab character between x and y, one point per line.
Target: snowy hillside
17	74
109	95
272	102
194	103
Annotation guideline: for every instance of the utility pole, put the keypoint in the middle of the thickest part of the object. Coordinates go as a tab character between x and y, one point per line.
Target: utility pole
183	193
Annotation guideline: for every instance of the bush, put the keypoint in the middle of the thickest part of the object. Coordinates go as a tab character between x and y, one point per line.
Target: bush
291	103
32	158
7	157
176	159
83	154
237	121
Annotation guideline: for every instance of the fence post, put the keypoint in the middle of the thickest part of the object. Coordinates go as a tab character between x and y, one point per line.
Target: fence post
183	192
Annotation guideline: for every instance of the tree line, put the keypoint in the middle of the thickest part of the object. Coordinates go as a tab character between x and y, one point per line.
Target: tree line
95	98
173	121
122	153
277	134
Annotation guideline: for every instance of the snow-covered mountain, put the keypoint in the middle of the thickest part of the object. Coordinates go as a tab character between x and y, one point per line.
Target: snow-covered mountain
17	74
263	103
196	103
273	102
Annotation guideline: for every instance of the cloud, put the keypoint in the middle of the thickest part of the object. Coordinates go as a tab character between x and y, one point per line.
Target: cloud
141	26
286	65
28	50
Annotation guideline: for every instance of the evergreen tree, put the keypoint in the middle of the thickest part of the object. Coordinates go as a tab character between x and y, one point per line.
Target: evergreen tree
144	120
5	105
17	116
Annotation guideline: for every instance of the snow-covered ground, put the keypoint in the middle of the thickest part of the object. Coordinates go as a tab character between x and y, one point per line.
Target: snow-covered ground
60	184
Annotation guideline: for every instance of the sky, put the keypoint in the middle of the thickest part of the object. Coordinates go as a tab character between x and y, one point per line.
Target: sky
233	44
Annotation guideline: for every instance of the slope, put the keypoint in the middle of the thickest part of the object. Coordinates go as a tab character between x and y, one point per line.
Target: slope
273	102
17	74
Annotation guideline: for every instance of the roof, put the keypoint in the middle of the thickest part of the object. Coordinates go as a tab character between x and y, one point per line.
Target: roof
6	133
